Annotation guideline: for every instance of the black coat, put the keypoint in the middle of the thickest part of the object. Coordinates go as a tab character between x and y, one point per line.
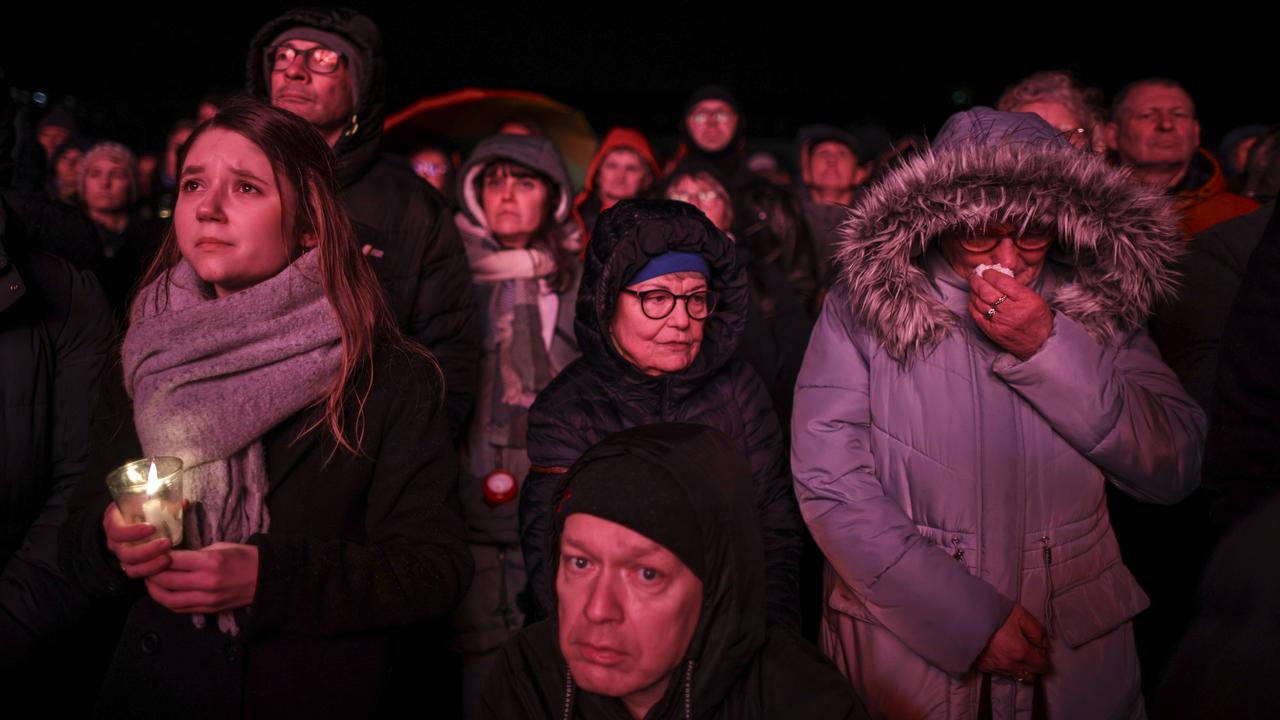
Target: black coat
55	329
734	666
358	545
1189	331
404	227
602	393
1242	452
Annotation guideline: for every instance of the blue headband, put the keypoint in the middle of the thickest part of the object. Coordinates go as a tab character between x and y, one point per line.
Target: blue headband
671	262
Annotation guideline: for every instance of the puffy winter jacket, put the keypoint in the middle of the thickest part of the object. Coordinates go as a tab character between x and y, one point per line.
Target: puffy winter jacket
602	393
945	479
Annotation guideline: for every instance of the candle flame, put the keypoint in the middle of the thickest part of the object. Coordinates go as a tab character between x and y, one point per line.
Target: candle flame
153	481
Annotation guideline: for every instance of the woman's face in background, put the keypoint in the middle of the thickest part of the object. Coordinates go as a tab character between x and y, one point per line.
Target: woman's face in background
710	198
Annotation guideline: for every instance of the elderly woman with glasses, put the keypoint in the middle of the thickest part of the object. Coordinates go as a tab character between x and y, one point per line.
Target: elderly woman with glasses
660	309
978	376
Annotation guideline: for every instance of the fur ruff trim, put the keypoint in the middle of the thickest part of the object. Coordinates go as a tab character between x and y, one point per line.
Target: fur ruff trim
1121	238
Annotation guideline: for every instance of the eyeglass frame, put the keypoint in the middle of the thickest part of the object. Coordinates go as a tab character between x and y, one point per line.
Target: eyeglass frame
702	117
308	55
994	241
642	294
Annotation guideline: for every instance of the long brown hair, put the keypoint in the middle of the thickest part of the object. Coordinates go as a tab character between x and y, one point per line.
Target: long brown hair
302	162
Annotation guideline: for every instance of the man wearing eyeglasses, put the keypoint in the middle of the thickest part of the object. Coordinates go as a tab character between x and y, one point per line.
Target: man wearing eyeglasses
1154	131
327	67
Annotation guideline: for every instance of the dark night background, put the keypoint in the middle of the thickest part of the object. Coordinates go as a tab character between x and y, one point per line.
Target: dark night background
132	74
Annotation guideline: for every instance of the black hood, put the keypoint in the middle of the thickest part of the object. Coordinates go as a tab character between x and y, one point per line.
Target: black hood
626	236
713	473
355	151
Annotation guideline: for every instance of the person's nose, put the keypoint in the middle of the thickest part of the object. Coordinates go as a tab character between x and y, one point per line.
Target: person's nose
679	317
604	604
297	68
209	209
1166	121
1006	253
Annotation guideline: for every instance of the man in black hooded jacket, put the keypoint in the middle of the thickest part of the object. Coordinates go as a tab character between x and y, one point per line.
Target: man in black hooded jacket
327	66
649	523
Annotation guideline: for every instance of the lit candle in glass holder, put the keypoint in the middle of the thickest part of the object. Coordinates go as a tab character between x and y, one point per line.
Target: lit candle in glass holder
150	491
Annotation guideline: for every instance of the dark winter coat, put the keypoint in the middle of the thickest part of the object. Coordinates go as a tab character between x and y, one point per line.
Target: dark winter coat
602	393
55	329
1189	332
1242	456
946	479
734	667
402	224
358	545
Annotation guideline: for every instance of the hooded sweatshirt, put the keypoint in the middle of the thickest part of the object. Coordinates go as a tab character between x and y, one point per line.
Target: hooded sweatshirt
733	667
587	204
402	224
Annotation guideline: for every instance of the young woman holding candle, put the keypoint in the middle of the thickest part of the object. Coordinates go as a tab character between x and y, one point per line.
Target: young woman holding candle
321	482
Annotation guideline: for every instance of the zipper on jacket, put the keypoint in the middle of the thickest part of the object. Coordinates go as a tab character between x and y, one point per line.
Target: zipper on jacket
568	695
958	553
688	691
1048	582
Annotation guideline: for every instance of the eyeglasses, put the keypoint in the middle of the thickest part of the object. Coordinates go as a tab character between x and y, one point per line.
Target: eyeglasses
1075	136
426	168
319	59
657	304
1030	242
702	117
705	196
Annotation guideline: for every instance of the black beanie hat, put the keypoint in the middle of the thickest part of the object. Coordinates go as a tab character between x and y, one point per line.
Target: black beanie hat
640	495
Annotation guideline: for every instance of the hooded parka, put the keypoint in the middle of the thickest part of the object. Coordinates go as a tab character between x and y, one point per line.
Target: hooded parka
602	393
402	224
734	667
944	478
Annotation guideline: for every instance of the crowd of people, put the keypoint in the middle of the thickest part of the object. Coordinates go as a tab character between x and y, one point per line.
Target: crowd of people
909	432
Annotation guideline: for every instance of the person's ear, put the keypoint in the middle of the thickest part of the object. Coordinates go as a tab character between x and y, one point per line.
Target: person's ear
1196	124
1109	131
861	173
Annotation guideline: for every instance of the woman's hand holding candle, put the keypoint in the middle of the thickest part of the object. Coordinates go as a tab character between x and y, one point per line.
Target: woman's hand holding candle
138	559
222	576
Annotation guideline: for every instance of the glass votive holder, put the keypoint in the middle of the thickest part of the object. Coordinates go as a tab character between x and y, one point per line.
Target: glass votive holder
150	491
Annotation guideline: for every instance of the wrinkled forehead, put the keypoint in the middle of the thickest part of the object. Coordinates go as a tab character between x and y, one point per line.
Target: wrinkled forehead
623	155
1158	97
711	106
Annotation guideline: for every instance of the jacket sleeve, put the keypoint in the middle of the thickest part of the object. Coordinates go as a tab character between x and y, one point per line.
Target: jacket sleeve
909	585
781	527
551	452
413	562
1127	412
37	599
444	317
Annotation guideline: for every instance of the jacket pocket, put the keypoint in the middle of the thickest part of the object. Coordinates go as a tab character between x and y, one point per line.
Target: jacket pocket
1095	607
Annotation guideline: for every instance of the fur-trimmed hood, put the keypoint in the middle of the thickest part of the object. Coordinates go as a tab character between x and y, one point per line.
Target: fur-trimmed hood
1120	238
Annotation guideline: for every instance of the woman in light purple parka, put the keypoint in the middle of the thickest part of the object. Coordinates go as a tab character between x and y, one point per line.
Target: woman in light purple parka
977	376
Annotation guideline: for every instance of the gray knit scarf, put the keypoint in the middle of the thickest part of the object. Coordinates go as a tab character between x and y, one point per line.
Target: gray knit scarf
209	377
